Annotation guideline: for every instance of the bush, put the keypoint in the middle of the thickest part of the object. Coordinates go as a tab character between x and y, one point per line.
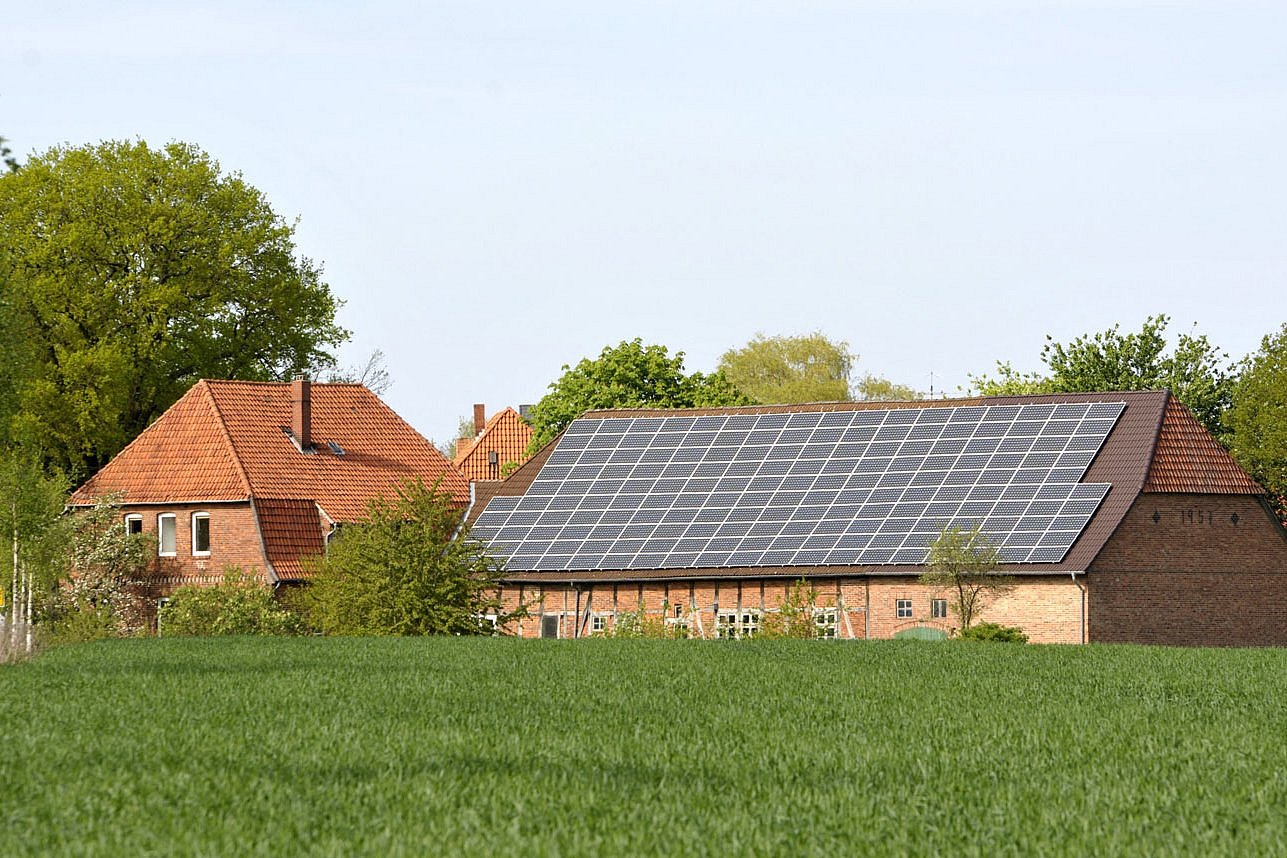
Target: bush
240	605
994	633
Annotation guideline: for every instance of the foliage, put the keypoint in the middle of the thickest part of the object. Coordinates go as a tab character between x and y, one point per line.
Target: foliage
108	590
400	747
1194	370
993	632
6	156
1257	417
629	375
241	604
790	369
408	568
639	623
31	503
795	617
964	563
126	274
873	388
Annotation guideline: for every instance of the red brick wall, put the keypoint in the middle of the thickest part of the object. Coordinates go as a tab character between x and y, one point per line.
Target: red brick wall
234	540
1048	609
1180	570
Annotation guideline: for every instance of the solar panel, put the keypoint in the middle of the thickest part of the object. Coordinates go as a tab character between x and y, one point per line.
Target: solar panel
818	488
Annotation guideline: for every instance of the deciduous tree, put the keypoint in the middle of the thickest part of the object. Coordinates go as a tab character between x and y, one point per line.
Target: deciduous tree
126	274
964	563
408	568
789	369
1257	417
1195	371
629	375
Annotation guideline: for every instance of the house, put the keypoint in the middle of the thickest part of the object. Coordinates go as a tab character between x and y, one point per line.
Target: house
1119	517
499	446
259	474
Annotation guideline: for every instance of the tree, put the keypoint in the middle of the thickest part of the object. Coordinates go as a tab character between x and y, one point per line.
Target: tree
1196	372
126	274
408	568
6	156
1257	417
31	502
873	388
629	375
372	374
781	369
964	563
107	589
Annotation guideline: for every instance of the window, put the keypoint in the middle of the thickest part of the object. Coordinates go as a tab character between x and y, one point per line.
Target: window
827	621
133	524
938	608
549	625
904	609
737	624
201	534
598	624
166	533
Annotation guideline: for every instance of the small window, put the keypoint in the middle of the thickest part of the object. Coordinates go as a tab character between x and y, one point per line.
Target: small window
938	608
133	525
827	621
549	625
598	624
737	624
166	534
200	534
904	609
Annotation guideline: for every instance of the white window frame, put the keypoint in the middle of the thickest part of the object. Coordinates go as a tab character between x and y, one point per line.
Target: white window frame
736	624
161	519
827	621
903	608
197	516
598	624
938	609
130	519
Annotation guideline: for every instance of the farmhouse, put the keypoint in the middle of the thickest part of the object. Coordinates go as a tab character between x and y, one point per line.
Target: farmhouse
259	475
499	446
1119	517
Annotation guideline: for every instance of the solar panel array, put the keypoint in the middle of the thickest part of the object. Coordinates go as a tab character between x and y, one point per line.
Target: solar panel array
804	489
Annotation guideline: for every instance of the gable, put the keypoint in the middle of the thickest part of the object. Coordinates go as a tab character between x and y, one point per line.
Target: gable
1189	460
507	436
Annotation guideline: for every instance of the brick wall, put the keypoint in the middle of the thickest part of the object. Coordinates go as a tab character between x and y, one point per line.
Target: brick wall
234	540
1048	609
1184	569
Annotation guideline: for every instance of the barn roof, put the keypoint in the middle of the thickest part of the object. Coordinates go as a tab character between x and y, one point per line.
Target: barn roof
1048	477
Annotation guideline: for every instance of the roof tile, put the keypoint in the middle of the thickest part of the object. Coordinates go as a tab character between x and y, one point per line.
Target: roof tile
506	435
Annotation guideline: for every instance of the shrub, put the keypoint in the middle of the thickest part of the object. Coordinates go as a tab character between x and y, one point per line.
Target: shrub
240	605
994	633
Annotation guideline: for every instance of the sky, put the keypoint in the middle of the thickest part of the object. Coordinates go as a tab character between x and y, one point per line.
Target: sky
499	189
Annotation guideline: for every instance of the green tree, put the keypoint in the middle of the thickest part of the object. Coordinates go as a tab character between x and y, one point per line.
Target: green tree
1257	417
789	369
629	375
126	274
6	156
241	604
408	568
1197	373
964	563
33	534
108	588
873	388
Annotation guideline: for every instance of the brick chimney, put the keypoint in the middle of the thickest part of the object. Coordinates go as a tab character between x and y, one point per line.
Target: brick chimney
301	414
462	444
480	418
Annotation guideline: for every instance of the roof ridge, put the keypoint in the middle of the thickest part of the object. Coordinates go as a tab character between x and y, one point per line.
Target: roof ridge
204	384
487	427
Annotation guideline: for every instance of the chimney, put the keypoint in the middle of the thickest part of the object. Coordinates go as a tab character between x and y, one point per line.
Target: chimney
480	417
301	415
461	445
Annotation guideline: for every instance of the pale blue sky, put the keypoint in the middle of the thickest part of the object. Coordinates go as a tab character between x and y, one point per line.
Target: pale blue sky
497	189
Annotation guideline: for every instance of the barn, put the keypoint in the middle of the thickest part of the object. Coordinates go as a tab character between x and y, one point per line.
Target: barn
1118	517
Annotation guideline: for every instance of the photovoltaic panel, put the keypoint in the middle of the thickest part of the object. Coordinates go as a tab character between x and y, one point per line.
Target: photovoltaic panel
809	489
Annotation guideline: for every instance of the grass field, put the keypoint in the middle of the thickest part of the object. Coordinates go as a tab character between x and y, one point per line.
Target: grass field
457	746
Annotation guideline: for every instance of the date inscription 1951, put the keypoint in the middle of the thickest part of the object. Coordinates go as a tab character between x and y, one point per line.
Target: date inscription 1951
1195	517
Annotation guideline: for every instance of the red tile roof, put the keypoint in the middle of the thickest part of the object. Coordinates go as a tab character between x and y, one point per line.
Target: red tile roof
1188	459
292	530
505	434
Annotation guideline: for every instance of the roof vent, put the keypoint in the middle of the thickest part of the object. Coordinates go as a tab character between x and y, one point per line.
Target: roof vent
335	448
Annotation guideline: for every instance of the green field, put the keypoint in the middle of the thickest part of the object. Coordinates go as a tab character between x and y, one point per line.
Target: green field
611	747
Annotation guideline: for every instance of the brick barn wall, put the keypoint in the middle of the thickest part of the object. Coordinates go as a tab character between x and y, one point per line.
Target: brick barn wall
1048	609
1204	570
234	540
